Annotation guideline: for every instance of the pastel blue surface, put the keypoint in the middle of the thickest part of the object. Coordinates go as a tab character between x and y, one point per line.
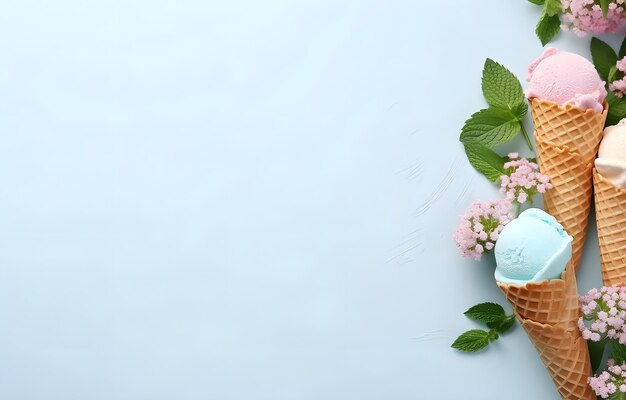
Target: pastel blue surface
249	200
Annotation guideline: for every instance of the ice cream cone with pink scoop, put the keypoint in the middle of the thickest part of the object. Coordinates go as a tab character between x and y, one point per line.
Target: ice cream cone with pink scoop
567	103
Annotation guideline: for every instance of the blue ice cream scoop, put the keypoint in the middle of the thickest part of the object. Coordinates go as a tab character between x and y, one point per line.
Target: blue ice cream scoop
532	248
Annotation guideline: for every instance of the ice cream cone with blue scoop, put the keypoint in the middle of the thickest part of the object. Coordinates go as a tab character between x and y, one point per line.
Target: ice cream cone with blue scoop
536	274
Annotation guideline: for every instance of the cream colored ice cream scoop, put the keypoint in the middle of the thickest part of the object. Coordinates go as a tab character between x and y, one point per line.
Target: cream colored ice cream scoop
611	161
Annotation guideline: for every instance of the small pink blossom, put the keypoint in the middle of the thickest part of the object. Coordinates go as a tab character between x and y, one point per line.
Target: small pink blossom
523	180
618	86
609	381
481	225
582	16
605	316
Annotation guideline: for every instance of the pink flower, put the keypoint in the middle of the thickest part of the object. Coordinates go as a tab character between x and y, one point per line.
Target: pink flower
480	226
618	86
582	16
605	315
609	381
523	180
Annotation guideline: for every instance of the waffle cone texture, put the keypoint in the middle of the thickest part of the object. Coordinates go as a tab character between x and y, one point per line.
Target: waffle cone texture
611	222
567	140
549	311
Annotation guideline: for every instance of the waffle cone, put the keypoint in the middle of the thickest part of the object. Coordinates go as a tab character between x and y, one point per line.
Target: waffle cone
549	312
611	223
567	140
569	201
569	126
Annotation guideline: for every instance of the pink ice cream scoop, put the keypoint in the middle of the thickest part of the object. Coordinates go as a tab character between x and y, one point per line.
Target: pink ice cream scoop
566	78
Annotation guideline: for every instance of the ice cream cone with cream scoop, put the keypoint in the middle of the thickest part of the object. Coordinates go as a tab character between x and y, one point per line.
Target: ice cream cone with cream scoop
536	274
566	97
609	180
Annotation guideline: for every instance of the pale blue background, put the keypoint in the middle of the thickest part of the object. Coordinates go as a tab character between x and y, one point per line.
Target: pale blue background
249	200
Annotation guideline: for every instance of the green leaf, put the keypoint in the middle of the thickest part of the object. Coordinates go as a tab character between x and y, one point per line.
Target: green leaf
552	8
538	2
617	109
618	352
485	161
613	74
504	325
486	312
603	57
617	396
596	352
622	48
547	27
605	7
490	127
472	341
500	87
520	110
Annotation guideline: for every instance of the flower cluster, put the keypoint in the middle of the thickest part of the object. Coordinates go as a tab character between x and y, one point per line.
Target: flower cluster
481	225
610	381
606	309
582	16
618	86
523	180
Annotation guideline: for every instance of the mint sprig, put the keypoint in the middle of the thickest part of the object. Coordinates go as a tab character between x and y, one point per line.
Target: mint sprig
473	340
494	317
502	121
498	124
547	28
501	88
549	23
605	59
603	56
552	7
486	312
485	160
504	325
490	127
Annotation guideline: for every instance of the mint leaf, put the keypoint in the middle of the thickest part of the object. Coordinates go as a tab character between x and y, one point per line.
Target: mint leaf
472	341
622	48
504	325
613	74
618	395
552	7
547	27
617	109
490	127
603	57
500	87
618	352
605	7
538	2
520	110
596	352
485	161
486	312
